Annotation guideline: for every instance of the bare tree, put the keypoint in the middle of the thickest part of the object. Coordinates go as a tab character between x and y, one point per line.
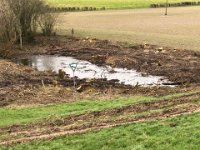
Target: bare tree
7	23
166	7
47	23
20	19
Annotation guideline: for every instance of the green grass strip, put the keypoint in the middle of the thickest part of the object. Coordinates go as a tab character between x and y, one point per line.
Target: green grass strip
109	4
11	116
179	133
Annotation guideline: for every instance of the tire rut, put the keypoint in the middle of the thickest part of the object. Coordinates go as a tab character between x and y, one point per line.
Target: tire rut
97	120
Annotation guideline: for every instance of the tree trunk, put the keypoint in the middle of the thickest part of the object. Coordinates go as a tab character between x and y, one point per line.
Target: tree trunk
166	7
20	39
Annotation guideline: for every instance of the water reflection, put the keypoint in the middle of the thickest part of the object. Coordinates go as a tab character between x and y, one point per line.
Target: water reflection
87	70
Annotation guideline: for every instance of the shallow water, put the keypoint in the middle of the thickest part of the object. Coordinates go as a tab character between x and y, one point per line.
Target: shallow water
88	70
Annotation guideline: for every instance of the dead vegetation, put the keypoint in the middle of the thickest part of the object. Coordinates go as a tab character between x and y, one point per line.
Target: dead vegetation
179	66
21	85
24	85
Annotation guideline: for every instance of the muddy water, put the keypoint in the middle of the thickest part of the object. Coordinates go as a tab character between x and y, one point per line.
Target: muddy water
87	70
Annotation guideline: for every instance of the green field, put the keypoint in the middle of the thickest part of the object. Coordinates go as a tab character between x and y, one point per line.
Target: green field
155	135
108	4
10	116
173	133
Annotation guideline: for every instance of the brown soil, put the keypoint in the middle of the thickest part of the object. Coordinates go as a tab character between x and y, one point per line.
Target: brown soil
179	66
23	85
101	119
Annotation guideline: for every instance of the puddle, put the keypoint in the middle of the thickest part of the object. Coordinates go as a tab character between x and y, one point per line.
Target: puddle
88	70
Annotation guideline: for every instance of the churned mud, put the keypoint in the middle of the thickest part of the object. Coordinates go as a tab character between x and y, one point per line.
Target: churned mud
179	66
23	85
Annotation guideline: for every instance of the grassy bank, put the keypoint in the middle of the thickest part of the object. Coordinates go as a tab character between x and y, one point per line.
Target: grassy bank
11	116
180	133
109	4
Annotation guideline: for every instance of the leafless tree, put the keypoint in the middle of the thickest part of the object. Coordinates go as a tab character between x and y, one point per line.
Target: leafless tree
20	19
47	23
166	7
7	26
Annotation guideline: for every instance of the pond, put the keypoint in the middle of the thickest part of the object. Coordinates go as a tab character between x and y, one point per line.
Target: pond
87	70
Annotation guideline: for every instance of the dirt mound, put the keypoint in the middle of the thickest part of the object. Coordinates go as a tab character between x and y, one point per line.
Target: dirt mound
20	82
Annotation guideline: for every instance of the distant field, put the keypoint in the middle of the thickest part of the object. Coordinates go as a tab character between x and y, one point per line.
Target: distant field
179	29
109	4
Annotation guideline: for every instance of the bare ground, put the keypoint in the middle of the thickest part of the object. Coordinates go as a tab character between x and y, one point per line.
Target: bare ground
179	66
23	85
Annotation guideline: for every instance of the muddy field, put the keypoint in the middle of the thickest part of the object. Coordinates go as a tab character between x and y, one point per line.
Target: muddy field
24	85
179	66
20	85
